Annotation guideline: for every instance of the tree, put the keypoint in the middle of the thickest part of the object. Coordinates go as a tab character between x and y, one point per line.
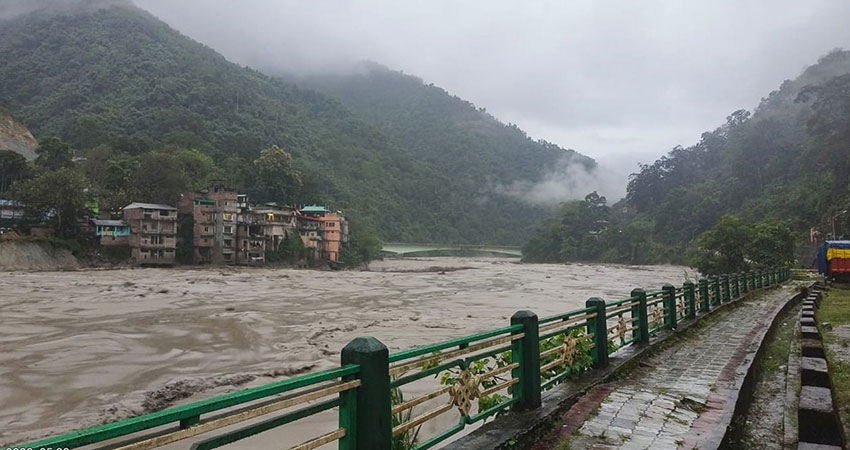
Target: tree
363	244
722	249
13	167
771	244
277	178
53	153
290	250
163	175
60	196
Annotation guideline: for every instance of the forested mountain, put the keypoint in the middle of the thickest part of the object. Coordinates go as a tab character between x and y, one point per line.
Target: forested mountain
131	94
789	161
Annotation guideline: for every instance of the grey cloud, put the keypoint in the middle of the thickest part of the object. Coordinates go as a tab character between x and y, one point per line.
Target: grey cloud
606	78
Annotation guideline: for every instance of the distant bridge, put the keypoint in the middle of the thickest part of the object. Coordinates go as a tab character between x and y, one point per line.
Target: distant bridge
403	249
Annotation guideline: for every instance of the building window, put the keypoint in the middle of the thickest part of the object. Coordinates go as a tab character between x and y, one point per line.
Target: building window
228	242
228	229
228	216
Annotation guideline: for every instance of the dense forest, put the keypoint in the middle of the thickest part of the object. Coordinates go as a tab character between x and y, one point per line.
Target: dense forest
785	163
151	113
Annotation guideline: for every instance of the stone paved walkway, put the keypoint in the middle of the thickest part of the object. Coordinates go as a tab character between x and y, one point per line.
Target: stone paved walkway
683	395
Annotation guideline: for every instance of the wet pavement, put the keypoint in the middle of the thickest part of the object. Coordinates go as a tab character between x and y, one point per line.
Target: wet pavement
681	395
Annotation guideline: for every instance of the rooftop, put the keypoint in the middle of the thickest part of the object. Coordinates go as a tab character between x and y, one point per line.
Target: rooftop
110	223
313	209
136	205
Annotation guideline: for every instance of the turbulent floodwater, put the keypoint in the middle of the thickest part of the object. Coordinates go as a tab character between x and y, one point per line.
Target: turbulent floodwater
80	348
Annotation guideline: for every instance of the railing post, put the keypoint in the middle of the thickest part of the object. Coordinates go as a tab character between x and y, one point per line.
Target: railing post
690	299
736	285
715	288
704	304
372	418
758	279
724	284
745	285
526	352
669	295
773	275
642	315
598	326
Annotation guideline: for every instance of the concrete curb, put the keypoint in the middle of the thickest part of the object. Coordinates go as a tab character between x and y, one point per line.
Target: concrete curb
742	391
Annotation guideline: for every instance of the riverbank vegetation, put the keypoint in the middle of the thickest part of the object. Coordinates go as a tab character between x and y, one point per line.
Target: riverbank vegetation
785	163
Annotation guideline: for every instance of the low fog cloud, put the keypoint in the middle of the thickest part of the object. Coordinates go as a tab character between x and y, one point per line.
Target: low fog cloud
567	180
619	81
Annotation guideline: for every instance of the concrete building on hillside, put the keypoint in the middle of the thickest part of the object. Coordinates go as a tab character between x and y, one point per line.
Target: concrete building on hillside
153	232
212	214
111	233
323	232
11	214
277	223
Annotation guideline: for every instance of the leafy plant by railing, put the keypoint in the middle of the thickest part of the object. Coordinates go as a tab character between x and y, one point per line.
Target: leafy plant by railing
408	439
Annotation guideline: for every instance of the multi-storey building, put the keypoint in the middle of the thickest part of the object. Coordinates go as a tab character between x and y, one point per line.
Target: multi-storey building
111	233
153	232
322	231
276	224
251	244
212	214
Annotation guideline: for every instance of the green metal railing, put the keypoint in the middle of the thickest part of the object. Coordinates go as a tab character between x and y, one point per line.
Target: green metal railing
479	376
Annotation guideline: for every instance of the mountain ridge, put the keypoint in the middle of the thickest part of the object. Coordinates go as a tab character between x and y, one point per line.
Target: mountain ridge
114	71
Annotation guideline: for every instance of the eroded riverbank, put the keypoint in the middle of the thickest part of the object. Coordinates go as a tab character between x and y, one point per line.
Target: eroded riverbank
79	348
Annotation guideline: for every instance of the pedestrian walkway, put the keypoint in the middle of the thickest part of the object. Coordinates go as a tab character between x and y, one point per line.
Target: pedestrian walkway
683	396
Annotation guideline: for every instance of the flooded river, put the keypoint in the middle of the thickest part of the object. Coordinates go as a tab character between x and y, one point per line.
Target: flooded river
80	348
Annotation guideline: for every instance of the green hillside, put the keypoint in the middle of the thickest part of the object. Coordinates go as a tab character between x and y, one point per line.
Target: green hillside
116	83
788	160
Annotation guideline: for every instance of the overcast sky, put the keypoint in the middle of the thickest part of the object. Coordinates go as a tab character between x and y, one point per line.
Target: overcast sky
619	81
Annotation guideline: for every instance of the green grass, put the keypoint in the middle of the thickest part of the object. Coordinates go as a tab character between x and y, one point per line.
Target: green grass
779	345
564	444
835	310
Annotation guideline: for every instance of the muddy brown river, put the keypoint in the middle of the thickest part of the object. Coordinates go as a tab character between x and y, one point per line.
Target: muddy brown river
84	347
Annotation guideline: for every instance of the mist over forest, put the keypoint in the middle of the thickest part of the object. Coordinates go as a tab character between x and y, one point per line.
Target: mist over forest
413	161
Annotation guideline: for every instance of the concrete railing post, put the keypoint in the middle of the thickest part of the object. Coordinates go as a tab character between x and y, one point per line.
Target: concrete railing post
715	290
745	285
704	303
373	419
526	352
642	315
736	285
598	327
669	296
690	299
724	284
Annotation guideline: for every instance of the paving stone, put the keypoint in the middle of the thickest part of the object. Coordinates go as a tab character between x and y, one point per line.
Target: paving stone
651	409
811	343
816	364
808	321
816	399
810	446
810	332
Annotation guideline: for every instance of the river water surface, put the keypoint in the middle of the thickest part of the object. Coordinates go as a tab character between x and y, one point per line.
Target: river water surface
84	347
